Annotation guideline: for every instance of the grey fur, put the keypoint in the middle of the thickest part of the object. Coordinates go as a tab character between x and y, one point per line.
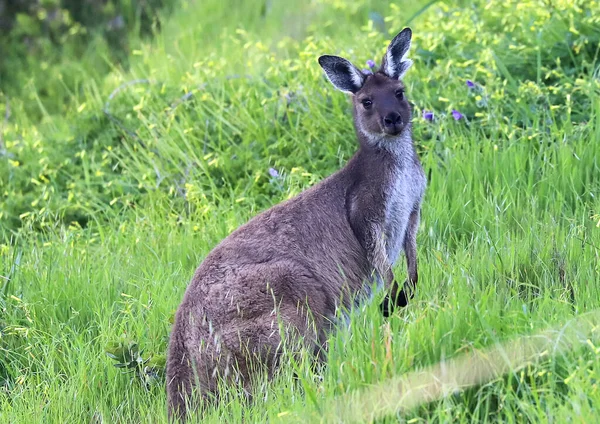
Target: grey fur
316	252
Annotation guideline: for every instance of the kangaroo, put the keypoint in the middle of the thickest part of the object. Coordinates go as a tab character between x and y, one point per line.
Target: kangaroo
298	262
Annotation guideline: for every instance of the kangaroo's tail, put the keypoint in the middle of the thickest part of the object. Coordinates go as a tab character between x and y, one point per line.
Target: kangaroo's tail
180	376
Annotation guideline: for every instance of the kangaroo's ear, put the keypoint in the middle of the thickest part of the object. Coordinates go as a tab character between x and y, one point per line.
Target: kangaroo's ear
342	74
395	63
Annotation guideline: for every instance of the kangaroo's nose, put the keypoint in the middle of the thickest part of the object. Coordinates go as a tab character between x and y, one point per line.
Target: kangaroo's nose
392	119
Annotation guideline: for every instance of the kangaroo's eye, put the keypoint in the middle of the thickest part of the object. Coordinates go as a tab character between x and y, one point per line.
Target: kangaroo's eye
367	103
400	94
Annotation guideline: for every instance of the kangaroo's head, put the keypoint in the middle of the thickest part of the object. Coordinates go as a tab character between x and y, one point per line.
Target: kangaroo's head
381	110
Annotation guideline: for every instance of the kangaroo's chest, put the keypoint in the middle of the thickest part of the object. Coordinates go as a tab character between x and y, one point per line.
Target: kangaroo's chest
401	198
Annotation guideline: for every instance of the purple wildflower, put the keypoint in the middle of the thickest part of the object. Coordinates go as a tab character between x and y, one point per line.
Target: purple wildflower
470	84
370	64
273	173
428	115
366	71
457	115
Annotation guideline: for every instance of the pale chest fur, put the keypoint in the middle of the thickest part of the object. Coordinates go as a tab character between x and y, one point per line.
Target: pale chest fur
403	195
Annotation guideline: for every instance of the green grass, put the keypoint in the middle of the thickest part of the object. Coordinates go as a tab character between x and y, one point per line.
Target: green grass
100	229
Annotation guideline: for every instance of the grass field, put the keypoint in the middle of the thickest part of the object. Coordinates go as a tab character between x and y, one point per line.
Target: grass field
104	216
